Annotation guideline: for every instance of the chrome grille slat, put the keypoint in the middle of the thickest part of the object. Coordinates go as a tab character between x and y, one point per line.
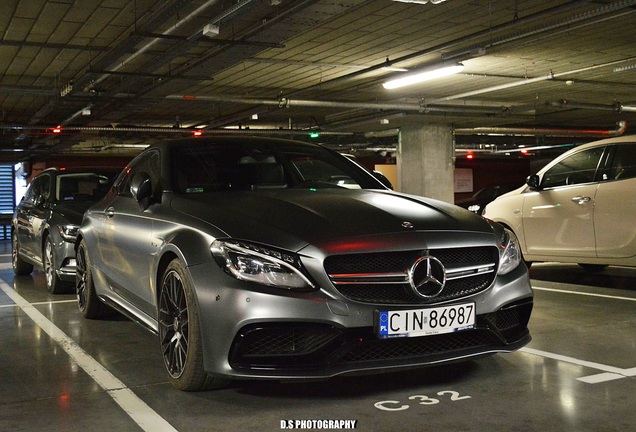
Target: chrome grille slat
468	271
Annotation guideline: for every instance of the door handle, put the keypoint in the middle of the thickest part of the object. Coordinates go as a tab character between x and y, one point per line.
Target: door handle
581	199
110	212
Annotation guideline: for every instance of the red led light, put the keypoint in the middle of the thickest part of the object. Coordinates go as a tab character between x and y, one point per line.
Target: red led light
57	130
524	151
197	132
470	156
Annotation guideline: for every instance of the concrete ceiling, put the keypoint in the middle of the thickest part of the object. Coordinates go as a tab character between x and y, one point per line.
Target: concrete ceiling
115	74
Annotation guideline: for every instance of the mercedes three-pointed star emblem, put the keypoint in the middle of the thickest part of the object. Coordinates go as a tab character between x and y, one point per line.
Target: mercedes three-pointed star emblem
427	277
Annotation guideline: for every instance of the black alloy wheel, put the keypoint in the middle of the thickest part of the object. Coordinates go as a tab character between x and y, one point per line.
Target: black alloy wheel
20	267
179	331
88	303
53	283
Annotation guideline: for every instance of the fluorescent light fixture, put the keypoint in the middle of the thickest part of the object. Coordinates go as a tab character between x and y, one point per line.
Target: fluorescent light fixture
420	1
422	76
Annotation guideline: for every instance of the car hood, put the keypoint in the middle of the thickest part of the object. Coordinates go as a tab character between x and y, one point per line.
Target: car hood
72	211
293	218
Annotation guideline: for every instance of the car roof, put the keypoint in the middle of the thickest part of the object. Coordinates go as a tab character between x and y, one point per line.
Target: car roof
606	141
226	139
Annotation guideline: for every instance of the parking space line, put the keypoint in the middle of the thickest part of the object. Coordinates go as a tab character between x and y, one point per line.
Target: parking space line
610	373
584	293
145	417
40	303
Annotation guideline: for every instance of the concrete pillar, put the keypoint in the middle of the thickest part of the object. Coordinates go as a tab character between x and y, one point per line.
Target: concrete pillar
426	161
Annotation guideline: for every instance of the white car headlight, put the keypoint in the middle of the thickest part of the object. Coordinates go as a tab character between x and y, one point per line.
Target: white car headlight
68	232
509	252
265	266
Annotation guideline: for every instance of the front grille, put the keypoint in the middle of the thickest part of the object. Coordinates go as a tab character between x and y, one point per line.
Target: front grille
405	348
287	340
382	278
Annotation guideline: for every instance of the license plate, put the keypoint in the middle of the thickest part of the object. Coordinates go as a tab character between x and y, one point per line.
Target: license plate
425	322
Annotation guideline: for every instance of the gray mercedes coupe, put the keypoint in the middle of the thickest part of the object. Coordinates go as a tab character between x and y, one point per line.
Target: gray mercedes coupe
266	258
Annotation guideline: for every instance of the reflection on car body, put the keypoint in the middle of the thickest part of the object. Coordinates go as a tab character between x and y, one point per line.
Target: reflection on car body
250	261
580	208
47	218
483	196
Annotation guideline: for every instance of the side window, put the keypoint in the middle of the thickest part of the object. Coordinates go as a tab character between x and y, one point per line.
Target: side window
29	195
38	188
148	163
579	168
624	163
45	187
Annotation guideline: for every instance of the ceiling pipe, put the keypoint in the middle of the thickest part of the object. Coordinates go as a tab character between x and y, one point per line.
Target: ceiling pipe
615	107
172	130
473	38
621	127
441	47
194	14
528	81
384	106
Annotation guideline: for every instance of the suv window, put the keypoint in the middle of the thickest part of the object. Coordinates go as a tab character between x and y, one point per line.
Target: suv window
38	188
578	168
623	163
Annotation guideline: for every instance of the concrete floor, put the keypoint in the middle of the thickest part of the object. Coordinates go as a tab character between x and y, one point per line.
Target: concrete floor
60	372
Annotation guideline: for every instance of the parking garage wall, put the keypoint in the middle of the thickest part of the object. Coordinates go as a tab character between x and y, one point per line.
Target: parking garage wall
487	172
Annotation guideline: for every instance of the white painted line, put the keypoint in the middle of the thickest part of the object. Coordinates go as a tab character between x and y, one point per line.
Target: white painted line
138	410
599	378
584	293
610	372
573	360
13	305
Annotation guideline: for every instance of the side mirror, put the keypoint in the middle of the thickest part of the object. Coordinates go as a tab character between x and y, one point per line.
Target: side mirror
382	178
533	181
141	189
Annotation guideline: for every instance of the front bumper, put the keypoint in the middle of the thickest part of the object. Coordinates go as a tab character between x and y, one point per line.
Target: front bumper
254	332
65	259
306	347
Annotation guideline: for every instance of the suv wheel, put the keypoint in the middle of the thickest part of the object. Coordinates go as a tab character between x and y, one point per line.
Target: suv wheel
53	283
20	267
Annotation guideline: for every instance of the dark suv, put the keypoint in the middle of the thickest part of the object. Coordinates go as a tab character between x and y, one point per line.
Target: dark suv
45	222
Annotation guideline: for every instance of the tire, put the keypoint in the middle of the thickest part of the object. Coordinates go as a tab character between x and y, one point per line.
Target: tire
53	283
593	268
20	267
180	332
88	303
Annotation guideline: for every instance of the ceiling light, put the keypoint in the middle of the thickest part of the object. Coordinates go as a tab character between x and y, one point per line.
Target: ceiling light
210	30
425	75
420	1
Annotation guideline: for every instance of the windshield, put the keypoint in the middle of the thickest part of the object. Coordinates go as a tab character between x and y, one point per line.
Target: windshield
255	165
81	187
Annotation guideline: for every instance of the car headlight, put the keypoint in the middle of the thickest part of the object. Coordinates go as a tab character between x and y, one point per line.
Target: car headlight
68	232
509	252
265	266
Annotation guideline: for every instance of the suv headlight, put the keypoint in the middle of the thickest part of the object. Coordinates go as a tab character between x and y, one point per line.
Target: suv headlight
68	232
265	266
509	252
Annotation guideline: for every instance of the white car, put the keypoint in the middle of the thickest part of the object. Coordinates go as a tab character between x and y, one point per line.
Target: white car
580	208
